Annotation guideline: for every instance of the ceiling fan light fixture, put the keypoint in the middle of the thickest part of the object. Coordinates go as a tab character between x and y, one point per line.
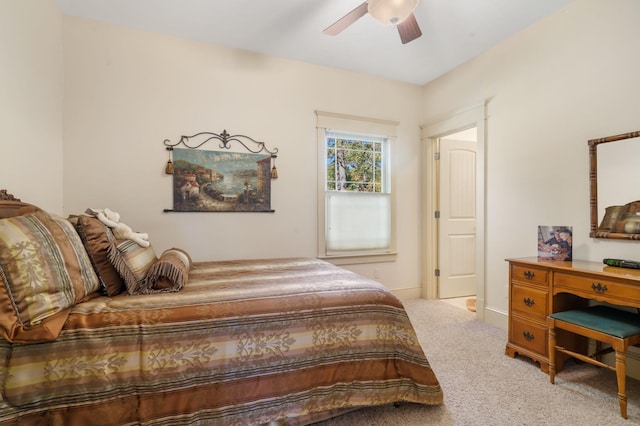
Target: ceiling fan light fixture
391	12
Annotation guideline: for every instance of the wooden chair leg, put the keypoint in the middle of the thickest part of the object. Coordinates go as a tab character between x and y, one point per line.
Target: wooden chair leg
581	322
621	375
552	353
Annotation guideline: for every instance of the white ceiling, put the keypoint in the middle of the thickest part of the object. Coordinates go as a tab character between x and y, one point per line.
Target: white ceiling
453	31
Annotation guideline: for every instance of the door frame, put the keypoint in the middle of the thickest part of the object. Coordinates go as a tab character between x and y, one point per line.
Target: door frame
472	116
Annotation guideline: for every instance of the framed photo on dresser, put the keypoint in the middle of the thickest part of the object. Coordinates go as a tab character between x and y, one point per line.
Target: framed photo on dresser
555	242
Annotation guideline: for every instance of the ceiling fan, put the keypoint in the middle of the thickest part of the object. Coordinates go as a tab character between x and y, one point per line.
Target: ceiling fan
396	13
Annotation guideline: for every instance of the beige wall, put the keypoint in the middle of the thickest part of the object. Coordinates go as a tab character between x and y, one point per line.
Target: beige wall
127	90
567	79
31	161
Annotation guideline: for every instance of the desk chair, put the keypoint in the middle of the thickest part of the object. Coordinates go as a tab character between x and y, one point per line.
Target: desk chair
617	328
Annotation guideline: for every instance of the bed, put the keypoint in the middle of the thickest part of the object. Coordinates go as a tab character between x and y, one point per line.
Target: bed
248	342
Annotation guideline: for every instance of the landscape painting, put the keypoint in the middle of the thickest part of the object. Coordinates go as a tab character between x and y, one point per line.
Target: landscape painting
217	181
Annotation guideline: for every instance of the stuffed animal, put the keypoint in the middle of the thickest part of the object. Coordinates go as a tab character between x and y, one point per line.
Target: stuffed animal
119	229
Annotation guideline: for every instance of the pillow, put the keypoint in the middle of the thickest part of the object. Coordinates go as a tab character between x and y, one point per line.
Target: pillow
87	287
94	235
169	273
11	208
132	262
45	271
185	254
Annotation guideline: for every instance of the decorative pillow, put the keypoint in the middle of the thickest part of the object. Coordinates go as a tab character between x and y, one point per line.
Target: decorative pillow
45	271
132	262
11	208
184	253
89	285
95	236
170	272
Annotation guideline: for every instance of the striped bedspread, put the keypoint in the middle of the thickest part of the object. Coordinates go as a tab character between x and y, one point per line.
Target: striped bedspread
287	341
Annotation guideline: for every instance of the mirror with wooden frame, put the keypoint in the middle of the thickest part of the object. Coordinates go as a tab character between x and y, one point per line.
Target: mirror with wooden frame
614	190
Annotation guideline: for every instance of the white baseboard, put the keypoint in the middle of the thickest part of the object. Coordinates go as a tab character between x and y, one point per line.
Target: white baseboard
407	293
496	318
633	360
633	363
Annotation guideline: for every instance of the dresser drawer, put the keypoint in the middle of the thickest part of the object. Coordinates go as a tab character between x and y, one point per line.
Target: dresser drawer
529	274
530	302
595	288
529	336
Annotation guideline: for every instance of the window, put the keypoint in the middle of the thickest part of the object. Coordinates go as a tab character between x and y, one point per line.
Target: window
355	163
357	193
355	197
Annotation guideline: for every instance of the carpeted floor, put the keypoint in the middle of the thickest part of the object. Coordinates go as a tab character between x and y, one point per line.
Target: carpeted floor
482	386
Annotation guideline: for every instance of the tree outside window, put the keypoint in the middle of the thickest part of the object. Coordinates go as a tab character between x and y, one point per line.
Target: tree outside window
354	165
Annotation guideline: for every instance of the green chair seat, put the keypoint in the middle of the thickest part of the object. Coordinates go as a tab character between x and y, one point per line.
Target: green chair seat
611	321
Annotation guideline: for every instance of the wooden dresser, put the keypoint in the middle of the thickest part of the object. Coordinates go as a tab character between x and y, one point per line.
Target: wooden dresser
538	287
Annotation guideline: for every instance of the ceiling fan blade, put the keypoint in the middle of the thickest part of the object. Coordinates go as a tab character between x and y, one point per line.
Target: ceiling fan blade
348	19
409	29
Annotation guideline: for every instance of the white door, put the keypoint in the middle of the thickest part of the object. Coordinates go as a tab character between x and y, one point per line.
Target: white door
457	224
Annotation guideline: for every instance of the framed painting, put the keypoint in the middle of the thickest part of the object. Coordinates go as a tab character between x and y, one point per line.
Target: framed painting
217	181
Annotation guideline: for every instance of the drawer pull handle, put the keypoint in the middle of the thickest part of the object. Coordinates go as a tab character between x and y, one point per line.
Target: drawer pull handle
528	302
528	336
529	275
599	288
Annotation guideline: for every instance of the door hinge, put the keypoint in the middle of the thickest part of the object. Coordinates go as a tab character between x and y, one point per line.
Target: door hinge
437	272
437	156
437	214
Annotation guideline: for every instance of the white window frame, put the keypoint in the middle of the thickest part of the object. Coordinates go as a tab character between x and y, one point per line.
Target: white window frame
340	123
